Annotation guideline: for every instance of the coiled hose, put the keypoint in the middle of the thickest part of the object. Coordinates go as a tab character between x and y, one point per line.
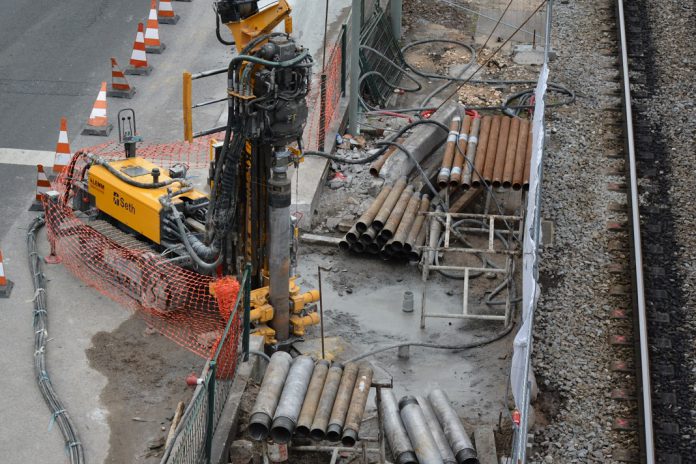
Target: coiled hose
59	415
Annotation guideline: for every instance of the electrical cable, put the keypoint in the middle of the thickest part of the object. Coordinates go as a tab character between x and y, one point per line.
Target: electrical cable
59	415
128	180
217	28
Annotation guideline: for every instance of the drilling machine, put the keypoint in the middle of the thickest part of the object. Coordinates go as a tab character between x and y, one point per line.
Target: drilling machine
246	217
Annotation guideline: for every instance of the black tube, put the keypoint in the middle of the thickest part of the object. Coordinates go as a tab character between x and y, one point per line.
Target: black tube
145	185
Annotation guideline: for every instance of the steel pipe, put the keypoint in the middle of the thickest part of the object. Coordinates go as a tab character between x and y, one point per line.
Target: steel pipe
458	163
389	202
438	434
520	155
394	430
340	407
373	248
368	236
501	151
377	165
468	168
447	159
397	213
527	161
454	430
290	404
269	394
357	247
480	159
419	432
369	215
344	245
326	401
414	254
510	152
352	235
358	400
417	223
491	150
406	222
311	400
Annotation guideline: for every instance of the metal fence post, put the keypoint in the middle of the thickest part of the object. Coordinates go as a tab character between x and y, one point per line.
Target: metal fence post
187	107
355	27
344	40
247	311
210	422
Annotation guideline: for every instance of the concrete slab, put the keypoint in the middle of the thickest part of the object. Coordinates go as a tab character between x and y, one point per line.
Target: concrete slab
527	54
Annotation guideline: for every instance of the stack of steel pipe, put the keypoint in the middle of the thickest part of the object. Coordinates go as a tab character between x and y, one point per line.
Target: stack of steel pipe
492	150
393	224
425	430
310	399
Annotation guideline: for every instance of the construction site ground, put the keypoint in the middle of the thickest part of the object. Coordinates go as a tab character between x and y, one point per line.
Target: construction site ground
121	381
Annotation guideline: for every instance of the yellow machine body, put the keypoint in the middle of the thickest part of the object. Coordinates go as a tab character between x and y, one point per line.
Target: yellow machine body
137	208
261	23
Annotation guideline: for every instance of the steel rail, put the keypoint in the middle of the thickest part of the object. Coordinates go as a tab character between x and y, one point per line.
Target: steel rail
647	432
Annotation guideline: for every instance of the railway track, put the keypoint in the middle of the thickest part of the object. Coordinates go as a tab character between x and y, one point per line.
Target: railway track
663	395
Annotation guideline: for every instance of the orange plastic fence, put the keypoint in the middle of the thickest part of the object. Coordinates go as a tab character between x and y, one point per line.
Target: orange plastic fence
189	308
314	131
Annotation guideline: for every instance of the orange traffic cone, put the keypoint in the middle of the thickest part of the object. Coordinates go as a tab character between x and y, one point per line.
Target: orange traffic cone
42	185
63	154
165	14
138	61
119	88
98	123
5	283
152	40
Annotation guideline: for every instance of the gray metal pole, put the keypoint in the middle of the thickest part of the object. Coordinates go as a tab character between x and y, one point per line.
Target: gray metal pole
395	8
356	14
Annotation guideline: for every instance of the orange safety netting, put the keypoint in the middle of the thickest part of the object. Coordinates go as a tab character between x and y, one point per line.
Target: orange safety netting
189	308
314	130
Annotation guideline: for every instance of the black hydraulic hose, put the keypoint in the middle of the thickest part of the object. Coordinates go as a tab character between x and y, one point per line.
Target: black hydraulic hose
271	64
195	248
217	30
145	185
59	415
434	75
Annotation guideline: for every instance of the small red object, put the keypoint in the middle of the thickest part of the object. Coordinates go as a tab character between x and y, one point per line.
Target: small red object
192	380
516	417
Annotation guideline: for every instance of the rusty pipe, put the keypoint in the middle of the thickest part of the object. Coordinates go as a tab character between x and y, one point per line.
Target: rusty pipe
386	252
397	213
480	158
269	394
394	430
460	153
468	167
528	159
446	167
369	215
389	202
290	403
358	400
352	235
368	236
311	400
414	254
326	401
357	247
373	248
418	431
491	149
377	165
417	223
501	151
343	245
457	437
520	155
340	407
510	152
406	222
435	428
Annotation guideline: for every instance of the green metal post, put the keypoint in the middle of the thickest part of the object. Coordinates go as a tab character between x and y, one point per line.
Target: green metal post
247	311
344	58
211	412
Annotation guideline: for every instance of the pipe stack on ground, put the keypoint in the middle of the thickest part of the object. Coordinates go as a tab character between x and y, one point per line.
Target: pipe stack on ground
308	399
392	226
394	430
458	439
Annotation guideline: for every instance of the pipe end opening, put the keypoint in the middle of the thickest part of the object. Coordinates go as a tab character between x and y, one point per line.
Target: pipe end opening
467	456
259	423
407	457
350	437
333	434
282	429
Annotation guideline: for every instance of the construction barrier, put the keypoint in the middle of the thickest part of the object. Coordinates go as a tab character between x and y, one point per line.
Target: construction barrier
189	308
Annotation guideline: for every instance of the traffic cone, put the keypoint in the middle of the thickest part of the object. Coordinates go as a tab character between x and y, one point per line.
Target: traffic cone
98	123
165	14
119	88
5	283
152	40
42	185
63	154
138	61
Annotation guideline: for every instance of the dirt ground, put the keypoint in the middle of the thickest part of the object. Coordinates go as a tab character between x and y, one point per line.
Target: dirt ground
146	379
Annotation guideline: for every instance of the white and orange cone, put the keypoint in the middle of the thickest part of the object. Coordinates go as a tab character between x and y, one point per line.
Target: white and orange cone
5	283
43	185
165	13
63	154
138	61
120	87
152	40
98	123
